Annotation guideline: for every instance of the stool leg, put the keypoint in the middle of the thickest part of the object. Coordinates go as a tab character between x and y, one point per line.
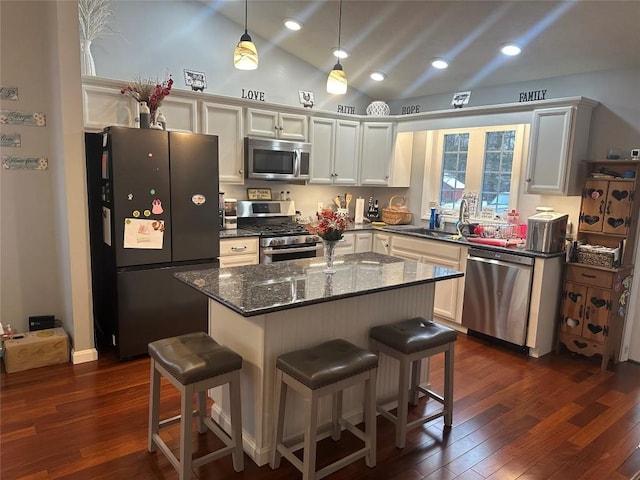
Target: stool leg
311	431
202	407
370	417
403	400
278	428
154	406
336	415
448	386
236	421
415	381
186	420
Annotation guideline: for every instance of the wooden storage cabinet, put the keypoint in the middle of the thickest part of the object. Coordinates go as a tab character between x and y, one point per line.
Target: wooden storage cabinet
239	251
606	206
595	299
593	310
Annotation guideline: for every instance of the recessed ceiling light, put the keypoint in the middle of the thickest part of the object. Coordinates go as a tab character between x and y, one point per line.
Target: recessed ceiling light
439	63
377	76
340	52
510	49
292	24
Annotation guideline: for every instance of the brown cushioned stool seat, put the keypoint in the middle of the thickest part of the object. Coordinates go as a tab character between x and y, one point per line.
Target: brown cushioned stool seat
409	342
327	368
194	363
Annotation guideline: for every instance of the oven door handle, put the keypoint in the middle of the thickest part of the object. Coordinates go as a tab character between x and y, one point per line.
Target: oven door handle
275	251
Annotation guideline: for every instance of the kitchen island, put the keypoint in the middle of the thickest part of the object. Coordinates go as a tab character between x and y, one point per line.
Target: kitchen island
262	311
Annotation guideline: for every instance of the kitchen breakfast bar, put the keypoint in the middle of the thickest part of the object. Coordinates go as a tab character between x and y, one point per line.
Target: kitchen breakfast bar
262	311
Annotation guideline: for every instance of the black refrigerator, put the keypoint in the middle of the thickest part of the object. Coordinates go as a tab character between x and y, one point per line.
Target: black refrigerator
153	203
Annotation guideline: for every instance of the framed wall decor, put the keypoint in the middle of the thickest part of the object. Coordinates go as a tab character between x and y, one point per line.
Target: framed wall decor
259	193
196	80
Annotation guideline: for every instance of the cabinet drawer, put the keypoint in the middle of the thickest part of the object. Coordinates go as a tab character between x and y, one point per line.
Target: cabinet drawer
431	248
238	246
589	276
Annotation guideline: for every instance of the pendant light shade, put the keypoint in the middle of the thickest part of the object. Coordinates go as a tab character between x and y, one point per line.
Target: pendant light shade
245	56
337	81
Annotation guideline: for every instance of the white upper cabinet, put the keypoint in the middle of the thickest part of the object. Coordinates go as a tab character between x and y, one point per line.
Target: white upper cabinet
225	121
557	146
335	151
377	151
286	126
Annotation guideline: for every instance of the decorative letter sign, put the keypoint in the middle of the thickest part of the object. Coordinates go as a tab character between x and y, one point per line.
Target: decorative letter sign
20	118
346	109
24	163
532	96
253	95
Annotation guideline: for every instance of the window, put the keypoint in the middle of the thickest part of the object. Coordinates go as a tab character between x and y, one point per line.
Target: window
484	160
497	170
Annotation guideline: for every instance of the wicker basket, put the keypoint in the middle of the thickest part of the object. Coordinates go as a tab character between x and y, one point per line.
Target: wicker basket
397	213
597	259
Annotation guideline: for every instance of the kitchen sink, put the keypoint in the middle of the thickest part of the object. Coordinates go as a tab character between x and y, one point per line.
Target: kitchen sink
426	232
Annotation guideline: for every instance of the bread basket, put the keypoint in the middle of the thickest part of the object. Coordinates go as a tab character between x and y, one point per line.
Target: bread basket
397	213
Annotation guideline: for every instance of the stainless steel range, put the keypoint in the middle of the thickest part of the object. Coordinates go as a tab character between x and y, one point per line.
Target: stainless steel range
281	238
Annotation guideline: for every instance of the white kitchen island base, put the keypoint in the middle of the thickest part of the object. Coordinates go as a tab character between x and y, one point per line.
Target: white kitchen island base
260	339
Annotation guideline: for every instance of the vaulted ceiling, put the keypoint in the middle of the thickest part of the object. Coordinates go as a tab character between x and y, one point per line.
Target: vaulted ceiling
402	37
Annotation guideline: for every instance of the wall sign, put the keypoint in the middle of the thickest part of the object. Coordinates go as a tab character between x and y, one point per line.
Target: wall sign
410	109
253	95
532	96
8	117
9	93
10	140
346	109
459	99
306	98
196	80
24	163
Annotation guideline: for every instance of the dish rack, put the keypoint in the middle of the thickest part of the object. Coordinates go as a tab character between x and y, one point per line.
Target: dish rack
497	230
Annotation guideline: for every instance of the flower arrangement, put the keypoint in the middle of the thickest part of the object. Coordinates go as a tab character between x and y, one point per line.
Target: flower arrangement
150	91
330	225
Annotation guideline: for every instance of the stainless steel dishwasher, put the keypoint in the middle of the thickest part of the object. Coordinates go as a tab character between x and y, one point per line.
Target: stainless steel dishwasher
497	292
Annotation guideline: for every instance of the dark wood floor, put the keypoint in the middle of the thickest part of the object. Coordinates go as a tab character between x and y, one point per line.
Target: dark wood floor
515	417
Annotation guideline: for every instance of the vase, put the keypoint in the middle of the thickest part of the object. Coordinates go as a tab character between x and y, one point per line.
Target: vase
378	109
330	252
87	65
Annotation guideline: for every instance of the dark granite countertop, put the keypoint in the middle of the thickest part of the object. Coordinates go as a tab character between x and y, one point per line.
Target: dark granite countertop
442	236
258	289
237	233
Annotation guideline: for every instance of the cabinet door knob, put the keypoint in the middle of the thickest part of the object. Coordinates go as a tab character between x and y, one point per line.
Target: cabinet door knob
241	171
528	180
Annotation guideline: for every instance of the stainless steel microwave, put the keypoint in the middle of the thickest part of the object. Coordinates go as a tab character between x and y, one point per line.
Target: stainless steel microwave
269	159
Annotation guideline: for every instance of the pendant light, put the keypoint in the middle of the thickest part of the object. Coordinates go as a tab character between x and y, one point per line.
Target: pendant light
245	56
337	81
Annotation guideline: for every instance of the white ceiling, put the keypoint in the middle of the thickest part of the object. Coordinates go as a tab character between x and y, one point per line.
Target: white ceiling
401	37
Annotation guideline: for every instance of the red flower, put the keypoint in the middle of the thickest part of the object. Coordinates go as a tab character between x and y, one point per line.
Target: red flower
330	225
149	91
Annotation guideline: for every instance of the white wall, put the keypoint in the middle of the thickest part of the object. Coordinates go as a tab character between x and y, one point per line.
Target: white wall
169	36
43	230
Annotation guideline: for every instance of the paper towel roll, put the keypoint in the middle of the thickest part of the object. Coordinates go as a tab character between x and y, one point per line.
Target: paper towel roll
359	212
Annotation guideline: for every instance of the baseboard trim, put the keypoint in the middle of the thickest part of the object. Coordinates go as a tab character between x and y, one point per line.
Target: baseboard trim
84	356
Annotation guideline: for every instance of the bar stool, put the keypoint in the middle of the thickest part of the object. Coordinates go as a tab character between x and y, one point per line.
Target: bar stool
409	342
194	363
325	369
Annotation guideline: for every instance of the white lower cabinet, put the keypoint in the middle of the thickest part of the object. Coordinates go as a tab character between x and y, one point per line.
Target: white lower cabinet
355	243
381	243
449	294
238	251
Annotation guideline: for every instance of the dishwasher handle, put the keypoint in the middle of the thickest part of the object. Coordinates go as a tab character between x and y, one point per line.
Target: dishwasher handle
489	256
